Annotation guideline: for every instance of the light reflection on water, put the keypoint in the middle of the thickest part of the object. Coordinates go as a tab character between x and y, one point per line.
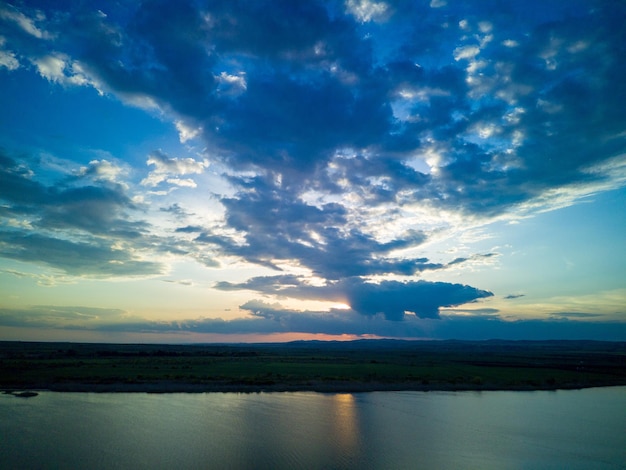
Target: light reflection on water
564	429
346	426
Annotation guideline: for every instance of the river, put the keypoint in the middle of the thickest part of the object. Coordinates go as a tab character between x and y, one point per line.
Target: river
573	429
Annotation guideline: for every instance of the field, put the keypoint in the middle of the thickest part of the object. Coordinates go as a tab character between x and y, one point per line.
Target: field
321	366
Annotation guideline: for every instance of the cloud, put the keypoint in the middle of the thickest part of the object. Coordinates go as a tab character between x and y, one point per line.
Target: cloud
283	88
367	10
167	169
27	24
102	170
97	257
176	210
335	125
7	58
466	52
569	315
475	312
273	318
182	282
45	280
274	225
185	132
232	85
189	229
60	317
82	229
388	298
182	182
94	209
277	226
393	298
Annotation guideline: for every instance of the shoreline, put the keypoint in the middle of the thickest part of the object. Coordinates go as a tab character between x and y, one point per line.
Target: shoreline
332	387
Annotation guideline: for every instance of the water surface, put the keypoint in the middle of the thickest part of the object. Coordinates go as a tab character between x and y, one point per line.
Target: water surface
574	429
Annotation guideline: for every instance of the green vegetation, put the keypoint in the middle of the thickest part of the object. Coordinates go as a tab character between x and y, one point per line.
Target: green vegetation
354	366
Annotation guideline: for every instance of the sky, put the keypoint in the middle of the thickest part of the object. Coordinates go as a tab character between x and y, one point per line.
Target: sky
244	171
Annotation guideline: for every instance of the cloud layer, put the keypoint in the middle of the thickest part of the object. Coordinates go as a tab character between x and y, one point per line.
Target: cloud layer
343	135
267	319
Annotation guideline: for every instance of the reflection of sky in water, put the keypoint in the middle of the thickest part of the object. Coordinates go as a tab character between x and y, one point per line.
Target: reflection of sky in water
577	429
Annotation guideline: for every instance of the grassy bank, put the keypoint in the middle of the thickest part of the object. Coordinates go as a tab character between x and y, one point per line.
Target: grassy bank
352	366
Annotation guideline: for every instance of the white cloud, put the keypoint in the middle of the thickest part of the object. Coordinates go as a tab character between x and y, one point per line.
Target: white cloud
51	68
613	176
422	93
101	170
27	24
549	107
485	26
367	10
578	46
232	85
438	3
58	68
8	60
510	43
139	100
466	52
186	132
187	183
165	167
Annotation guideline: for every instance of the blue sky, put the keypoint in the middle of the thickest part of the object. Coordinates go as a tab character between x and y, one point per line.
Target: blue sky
265	171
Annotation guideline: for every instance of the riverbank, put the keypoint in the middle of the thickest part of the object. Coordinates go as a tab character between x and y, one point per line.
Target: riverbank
361	366
336	387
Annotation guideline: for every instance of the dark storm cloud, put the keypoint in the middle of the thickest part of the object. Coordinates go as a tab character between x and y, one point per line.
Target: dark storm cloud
389	298
423	298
